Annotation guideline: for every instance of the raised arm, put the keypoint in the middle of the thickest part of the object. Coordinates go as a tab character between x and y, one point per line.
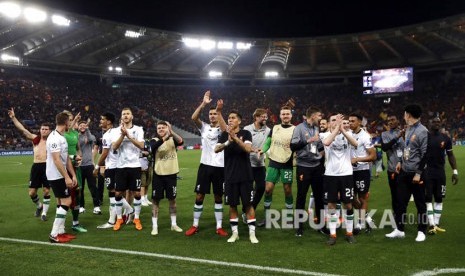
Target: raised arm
219	109
19	126
196	115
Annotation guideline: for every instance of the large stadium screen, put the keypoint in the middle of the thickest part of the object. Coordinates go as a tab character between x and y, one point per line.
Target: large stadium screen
387	81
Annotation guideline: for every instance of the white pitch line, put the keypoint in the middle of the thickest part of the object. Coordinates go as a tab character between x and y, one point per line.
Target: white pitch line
16	185
11	163
174	257
439	271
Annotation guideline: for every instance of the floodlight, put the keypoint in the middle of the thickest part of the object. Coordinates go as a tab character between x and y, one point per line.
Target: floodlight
207	44
9	58
225	45
60	20
132	34
10	10
110	68
118	69
215	74
243	46
191	42
34	15
271	74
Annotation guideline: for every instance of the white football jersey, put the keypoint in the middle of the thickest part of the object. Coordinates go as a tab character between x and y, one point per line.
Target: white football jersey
108	138
210	137
56	143
364	143
337	156
128	153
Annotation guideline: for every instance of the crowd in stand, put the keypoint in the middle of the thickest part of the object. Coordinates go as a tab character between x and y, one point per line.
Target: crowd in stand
38	97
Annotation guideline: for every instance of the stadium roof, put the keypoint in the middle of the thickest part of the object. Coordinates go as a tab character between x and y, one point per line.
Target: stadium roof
94	45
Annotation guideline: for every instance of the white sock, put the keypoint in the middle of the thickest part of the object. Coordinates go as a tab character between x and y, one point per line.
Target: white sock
59	221
437	212
173	220
430	213
112	218
154	222
197	213
119	208
332	222
219	215
349	221
45	206
137	207
251	224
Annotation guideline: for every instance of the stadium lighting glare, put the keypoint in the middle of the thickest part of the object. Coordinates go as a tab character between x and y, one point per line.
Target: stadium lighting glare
34	15
10	10
6	58
215	74
271	74
225	45
118	69
207	44
243	46
191	42
60	20
132	34
110	68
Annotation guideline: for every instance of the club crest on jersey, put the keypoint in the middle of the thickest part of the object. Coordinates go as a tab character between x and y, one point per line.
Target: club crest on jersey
54	146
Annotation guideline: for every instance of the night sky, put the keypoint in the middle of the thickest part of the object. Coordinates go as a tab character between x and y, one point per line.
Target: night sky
263	19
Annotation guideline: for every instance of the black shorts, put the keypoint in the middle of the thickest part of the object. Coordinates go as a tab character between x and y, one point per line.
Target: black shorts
127	179
209	174
435	185
259	174
110	179
239	190
164	184
362	181
339	188
38	178
59	188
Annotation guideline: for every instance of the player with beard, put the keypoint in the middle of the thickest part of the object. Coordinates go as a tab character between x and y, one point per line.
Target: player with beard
260	132
106	166
37	177
128	172
280	167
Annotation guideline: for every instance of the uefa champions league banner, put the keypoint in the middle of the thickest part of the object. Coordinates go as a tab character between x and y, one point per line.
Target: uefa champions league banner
16	152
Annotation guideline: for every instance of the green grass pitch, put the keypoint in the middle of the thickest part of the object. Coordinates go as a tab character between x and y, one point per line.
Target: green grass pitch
278	248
